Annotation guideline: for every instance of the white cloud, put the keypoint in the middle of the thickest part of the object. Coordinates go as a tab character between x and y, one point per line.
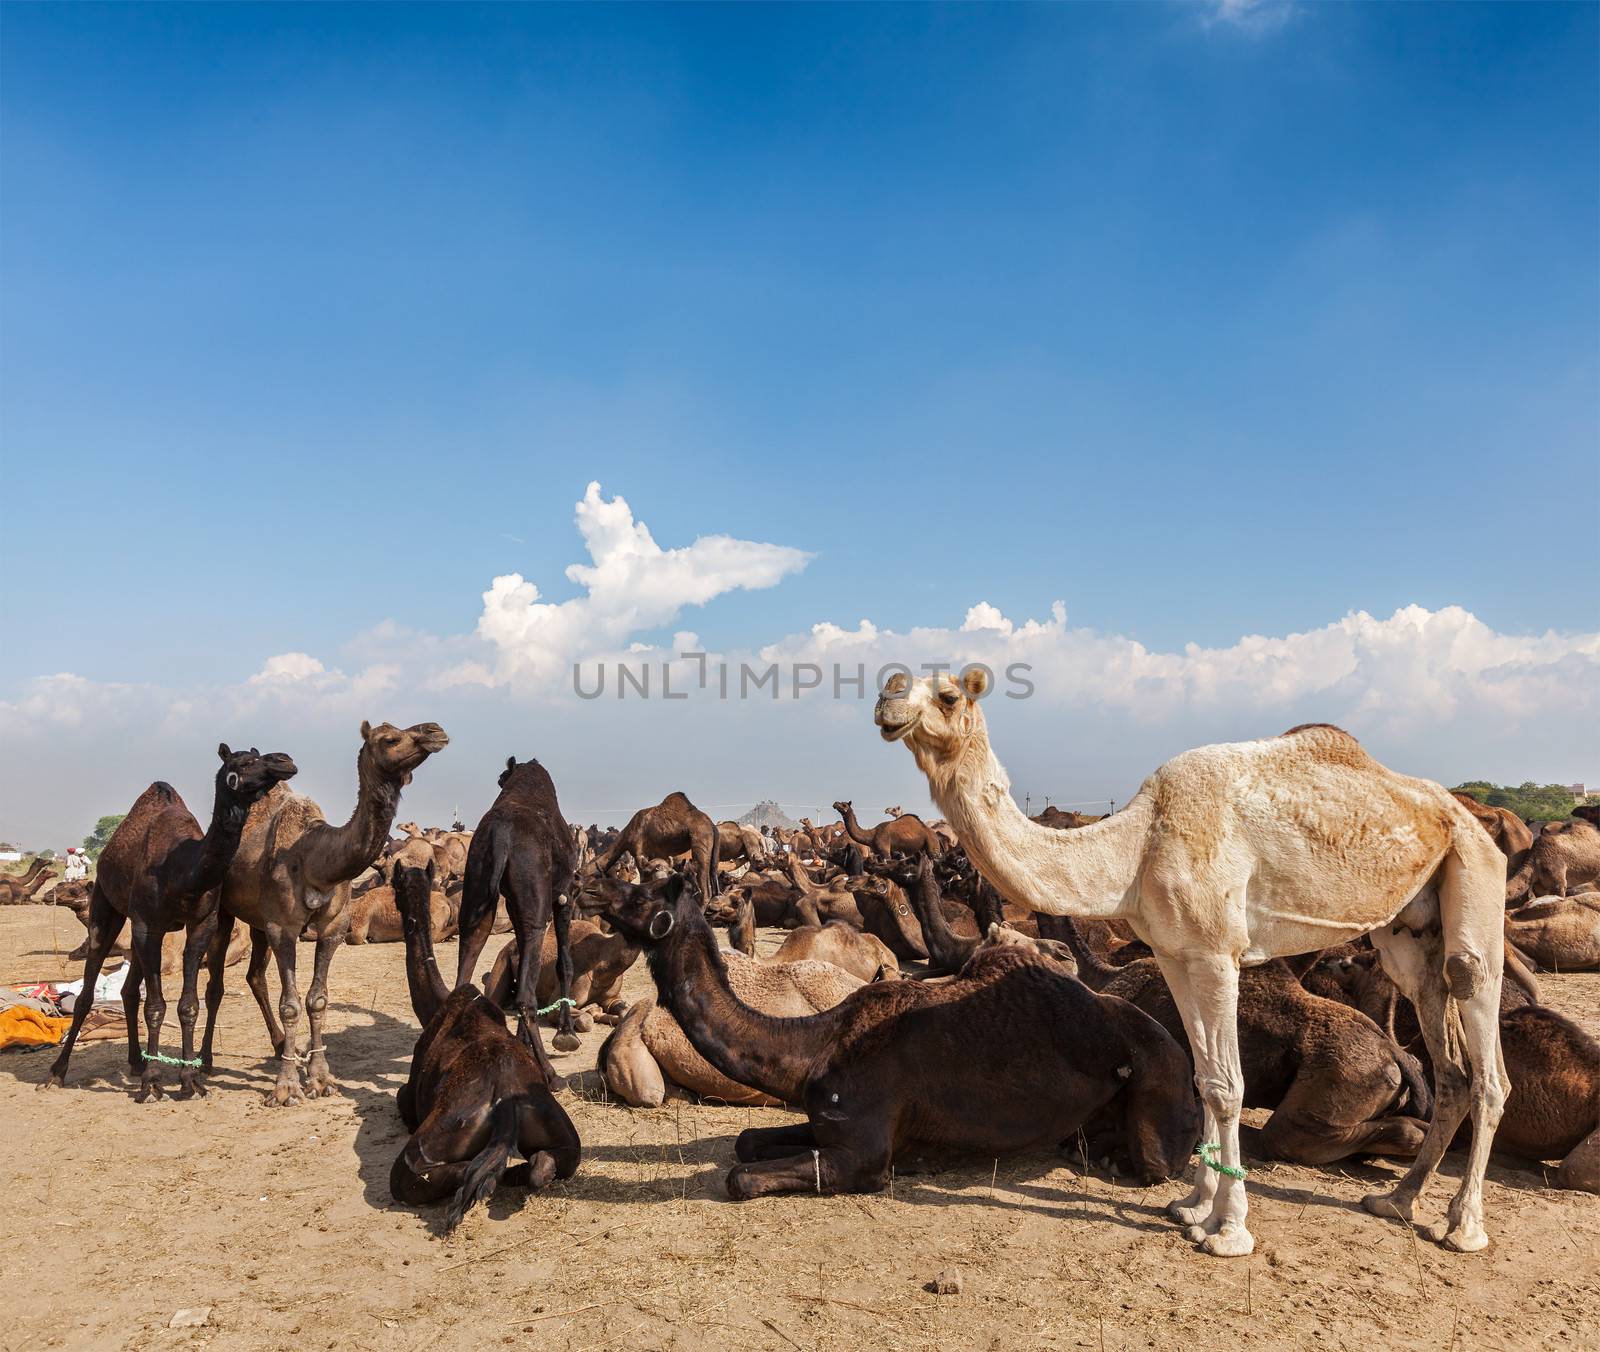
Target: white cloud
632	585
1249	16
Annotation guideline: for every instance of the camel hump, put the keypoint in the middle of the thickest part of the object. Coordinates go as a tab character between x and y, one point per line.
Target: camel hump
1333	728
163	792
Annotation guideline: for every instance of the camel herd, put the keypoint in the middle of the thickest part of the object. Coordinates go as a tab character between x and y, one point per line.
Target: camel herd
1282	924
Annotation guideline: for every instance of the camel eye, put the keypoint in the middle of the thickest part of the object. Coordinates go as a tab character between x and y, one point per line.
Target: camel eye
950	697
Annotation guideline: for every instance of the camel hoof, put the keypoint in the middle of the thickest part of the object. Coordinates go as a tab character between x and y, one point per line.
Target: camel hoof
1188	1215
282	1095
1387	1204
740	1185
1229	1242
1467	1238
52	1081
566	1042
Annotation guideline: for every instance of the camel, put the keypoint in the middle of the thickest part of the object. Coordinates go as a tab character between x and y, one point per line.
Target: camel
292	874
736	842
1236	854
1553	1110
672	827
475	1094
1505	828
1064	821
1559	861
160	872
20	889
1336	1083
907	1067
523	850
903	834
1561	934
864	956
599	962
375	915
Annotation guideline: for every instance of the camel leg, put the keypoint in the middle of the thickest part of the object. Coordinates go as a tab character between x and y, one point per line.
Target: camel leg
1410	965
1462	1229
255	977
287	1089
1206	991
566	1039
436	1158
319	1083
105	923
196	944
767	1143
1194	1208
146	943
132	983
216	961
527	999
822	1172
544	1133
1581	1168
1338	1107
473	933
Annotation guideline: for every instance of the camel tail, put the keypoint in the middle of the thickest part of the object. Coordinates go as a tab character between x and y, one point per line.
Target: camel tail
1419	1096
1472	912
483	1173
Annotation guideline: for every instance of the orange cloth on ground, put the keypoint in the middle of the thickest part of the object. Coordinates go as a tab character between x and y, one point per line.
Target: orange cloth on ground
24	1027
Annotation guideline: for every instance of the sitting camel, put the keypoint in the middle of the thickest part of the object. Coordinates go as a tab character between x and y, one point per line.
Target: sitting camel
1337	1086
1560	861
1225	858
909	1066
1561	934
599	962
18	889
672	827
864	956
475	1094
160	872
1553	1110
902	834
375	914
77	902
524	851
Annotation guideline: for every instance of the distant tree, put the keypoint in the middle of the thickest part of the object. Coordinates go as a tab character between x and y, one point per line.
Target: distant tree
45	854
96	840
1530	801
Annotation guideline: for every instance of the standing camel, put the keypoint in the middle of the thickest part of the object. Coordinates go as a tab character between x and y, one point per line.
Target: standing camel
905	833
673	826
161	872
293	872
523	850
1239	853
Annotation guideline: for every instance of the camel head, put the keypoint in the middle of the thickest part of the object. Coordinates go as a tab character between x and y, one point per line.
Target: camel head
646	914
246	775
897	868
936	716
894	811
1588	814
396	752
410	828
843	806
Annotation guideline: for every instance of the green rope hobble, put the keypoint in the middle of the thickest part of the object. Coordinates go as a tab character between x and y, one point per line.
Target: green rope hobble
540	1013
1208	1153
172	1060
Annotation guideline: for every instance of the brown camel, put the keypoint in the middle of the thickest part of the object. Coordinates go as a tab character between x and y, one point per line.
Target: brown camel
292	874
20	889
972	1066
738	842
475	1094
672	827
1064	821
1505	828
375	915
905	834
161	872
1336	1084
864	956
524	851
599	962
1559	862
1553	1110
1561	934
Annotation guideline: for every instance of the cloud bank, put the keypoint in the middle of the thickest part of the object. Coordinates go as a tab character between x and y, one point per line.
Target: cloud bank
1435	692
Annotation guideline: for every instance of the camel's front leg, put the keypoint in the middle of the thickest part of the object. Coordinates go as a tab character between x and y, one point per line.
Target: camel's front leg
530	945
287	1089
319	1082
196	943
216	961
566	1038
255	977
146	943
1206	991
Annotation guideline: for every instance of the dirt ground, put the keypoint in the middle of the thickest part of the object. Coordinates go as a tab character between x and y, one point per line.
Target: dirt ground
280	1221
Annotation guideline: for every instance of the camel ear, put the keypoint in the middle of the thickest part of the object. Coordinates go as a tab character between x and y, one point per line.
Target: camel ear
975	681
222	751
511	763
366	731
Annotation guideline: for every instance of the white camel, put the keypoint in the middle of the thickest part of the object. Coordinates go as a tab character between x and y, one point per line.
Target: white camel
1238	854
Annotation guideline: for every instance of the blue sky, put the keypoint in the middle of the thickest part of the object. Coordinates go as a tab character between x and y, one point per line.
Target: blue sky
320	316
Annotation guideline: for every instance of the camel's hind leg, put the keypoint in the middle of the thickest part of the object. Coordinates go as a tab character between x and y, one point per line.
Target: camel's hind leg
1206	990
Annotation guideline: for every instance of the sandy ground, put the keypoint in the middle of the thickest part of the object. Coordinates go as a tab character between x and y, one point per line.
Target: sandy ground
280	1220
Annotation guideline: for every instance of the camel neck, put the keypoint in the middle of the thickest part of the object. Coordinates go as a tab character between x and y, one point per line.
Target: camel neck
944	946
350	848
852	828
428	991
773	1055
220	842
1089	871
